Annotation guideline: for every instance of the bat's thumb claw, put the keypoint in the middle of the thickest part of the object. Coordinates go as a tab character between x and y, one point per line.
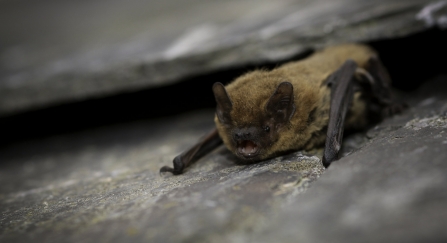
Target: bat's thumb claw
165	169
325	162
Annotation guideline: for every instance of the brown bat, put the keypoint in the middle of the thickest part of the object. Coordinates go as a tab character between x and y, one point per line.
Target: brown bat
299	105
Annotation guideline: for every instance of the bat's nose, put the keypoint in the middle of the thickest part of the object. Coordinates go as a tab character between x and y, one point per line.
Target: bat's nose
242	135
237	136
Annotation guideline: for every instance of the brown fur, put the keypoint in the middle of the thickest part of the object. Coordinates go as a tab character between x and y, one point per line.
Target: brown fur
251	92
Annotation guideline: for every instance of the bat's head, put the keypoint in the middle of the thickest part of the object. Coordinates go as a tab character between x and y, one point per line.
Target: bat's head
248	130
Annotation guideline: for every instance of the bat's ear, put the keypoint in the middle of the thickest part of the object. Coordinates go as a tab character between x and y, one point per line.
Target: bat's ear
224	104
281	105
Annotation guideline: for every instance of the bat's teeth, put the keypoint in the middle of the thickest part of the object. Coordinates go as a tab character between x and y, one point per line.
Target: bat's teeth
248	148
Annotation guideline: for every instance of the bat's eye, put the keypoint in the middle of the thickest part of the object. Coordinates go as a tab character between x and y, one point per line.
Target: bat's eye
267	128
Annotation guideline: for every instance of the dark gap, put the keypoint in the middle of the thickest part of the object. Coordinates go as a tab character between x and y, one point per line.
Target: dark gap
410	60
187	95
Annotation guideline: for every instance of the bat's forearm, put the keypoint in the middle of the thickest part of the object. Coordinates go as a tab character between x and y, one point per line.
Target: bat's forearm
204	146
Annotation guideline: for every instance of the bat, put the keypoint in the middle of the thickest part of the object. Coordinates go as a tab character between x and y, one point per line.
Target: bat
299	105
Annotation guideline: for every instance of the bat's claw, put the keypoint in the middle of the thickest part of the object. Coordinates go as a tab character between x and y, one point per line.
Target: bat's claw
178	167
393	109
165	169
328	159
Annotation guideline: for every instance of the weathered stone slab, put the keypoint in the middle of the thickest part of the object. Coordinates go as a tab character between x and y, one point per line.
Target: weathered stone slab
390	190
53	53
72	188
104	186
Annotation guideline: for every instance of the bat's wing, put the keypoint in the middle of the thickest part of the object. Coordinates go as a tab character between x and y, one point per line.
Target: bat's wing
342	91
342	85
381	88
205	145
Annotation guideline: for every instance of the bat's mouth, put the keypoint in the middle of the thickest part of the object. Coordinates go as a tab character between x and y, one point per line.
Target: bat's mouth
248	149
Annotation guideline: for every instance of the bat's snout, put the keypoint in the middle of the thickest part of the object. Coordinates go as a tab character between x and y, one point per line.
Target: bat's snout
247	142
248	149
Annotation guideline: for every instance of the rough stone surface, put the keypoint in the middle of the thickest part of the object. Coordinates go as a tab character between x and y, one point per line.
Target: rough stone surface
390	190
103	185
65	51
71	188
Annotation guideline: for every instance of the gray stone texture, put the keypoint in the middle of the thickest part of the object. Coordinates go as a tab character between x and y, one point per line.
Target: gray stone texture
103	185
54	52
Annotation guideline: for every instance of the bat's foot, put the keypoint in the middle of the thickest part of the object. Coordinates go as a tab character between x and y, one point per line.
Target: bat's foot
394	109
